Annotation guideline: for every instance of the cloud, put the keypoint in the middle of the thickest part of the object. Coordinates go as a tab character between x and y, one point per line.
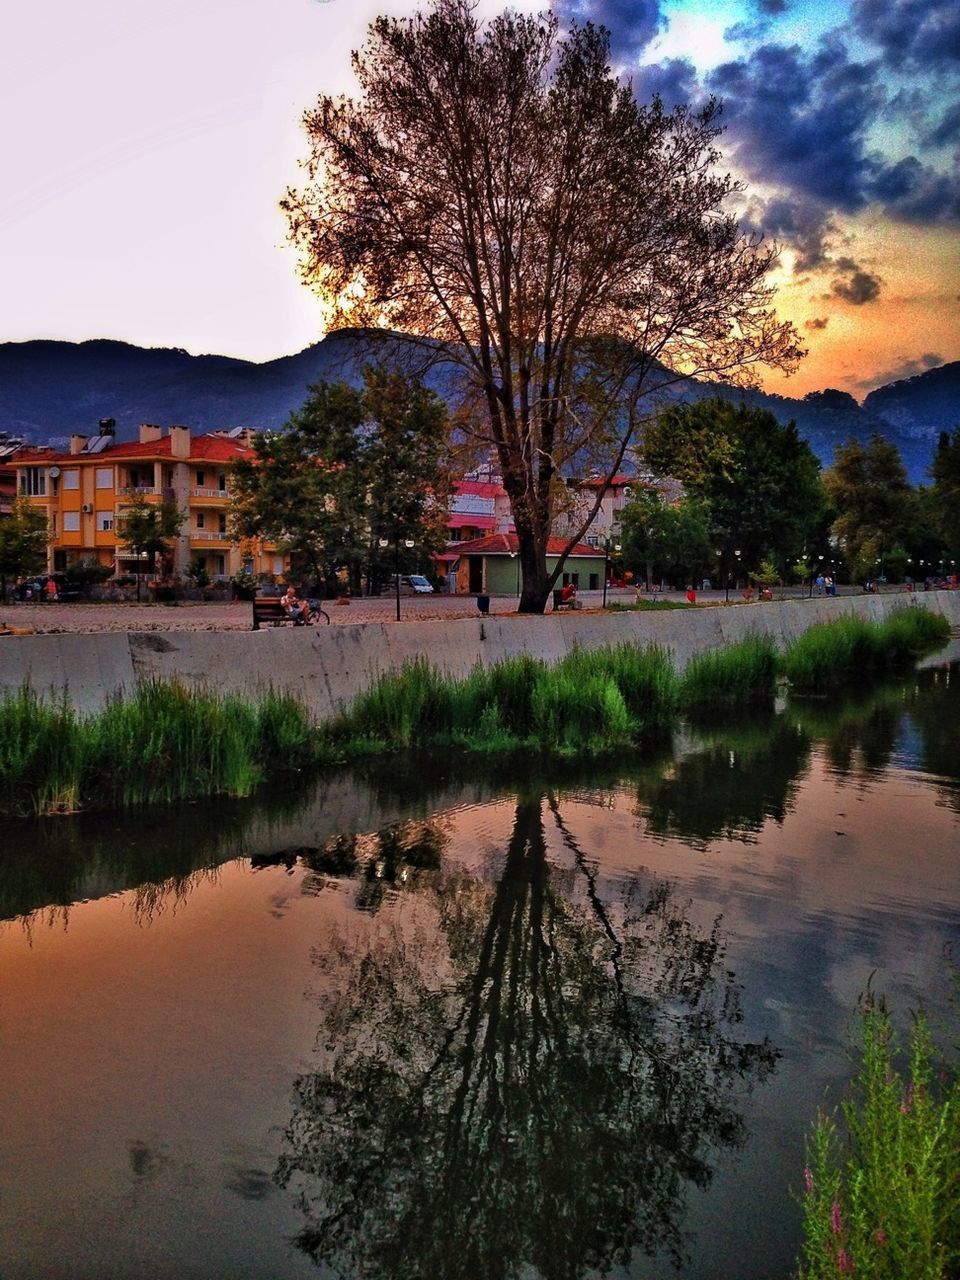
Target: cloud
911	191
802	226
854	285
913	34
632	23
818	322
947	131
801	121
899	373
675	80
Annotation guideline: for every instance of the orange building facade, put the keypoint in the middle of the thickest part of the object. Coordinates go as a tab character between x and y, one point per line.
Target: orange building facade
84	493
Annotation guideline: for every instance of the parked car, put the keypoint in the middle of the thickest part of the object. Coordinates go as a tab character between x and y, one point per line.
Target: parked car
411	584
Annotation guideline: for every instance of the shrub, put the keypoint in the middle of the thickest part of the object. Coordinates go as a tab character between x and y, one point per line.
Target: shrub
882	1197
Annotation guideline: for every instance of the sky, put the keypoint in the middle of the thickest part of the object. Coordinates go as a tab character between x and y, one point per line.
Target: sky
144	150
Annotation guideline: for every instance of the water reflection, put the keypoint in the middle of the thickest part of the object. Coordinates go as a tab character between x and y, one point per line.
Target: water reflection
517	1075
739	779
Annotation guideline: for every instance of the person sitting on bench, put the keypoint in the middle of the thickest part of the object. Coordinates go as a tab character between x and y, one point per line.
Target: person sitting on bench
298	610
568	594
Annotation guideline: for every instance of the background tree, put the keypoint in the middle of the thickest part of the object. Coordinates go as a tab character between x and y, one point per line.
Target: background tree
760	481
353	466
498	196
149	528
24	536
868	487
671	539
946	491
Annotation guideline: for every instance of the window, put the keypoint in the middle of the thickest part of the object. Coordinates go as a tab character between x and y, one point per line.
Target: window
71	479
201	520
33	482
277	566
222	483
104	521
201	476
219	565
53	524
104	477
71	522
223	523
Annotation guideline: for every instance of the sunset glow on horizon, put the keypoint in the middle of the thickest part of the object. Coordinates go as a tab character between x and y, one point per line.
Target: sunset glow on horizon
150	148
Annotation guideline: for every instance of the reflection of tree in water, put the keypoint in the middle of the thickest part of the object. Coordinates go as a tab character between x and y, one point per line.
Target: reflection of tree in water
935	709
731	787
383	862
857	731
523	1083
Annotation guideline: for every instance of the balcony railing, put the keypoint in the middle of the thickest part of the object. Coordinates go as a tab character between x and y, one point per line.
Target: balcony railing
209	535
131	490
209	493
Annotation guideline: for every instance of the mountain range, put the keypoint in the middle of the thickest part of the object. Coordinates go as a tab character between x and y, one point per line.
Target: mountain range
51	389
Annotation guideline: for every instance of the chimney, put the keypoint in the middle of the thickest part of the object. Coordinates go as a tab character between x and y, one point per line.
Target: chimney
77	443
149	432
179	442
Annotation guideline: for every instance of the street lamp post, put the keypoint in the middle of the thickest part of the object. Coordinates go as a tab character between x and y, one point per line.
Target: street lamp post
737	554
515	555
606	566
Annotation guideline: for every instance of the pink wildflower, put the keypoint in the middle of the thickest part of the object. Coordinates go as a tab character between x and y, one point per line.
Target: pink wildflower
808	1179
845	1262
880	1236
837	1223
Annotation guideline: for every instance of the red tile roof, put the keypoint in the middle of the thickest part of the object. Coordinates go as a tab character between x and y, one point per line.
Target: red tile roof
479	489
505	544
205	448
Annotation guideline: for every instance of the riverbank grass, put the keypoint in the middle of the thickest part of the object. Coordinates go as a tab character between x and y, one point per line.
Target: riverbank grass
852	650
723	680
165	743
882	1184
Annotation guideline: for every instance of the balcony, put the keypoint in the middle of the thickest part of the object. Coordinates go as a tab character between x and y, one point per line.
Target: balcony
209	535
209	493
132	491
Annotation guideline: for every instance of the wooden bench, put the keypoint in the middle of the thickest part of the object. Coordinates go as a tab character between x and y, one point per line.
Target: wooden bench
269	610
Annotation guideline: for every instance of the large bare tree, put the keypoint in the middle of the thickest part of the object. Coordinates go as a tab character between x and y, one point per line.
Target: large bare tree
498	195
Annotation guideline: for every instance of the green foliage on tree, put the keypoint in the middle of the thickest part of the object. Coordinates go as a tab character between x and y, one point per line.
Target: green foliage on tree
147	527
666	540
868	488
760	481
24	536
497	196
353	466
945	494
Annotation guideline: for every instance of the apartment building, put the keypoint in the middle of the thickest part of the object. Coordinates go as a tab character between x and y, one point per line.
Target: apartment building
84	492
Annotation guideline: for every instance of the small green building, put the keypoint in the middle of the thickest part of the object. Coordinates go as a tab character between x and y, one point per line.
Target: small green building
491	566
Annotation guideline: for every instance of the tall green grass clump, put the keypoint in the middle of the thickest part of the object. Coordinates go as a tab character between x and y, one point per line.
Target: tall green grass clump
162	744
411	707
493	707
909	633
882	1198
40	755
743	676
645	678
169	743
579	711
851	650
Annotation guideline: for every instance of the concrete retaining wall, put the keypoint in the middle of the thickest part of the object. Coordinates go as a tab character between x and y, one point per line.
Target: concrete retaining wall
329	666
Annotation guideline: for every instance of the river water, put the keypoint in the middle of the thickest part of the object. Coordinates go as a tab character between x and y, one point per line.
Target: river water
436	1021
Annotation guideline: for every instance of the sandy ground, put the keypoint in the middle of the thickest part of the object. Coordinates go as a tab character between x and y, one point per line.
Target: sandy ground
188	616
